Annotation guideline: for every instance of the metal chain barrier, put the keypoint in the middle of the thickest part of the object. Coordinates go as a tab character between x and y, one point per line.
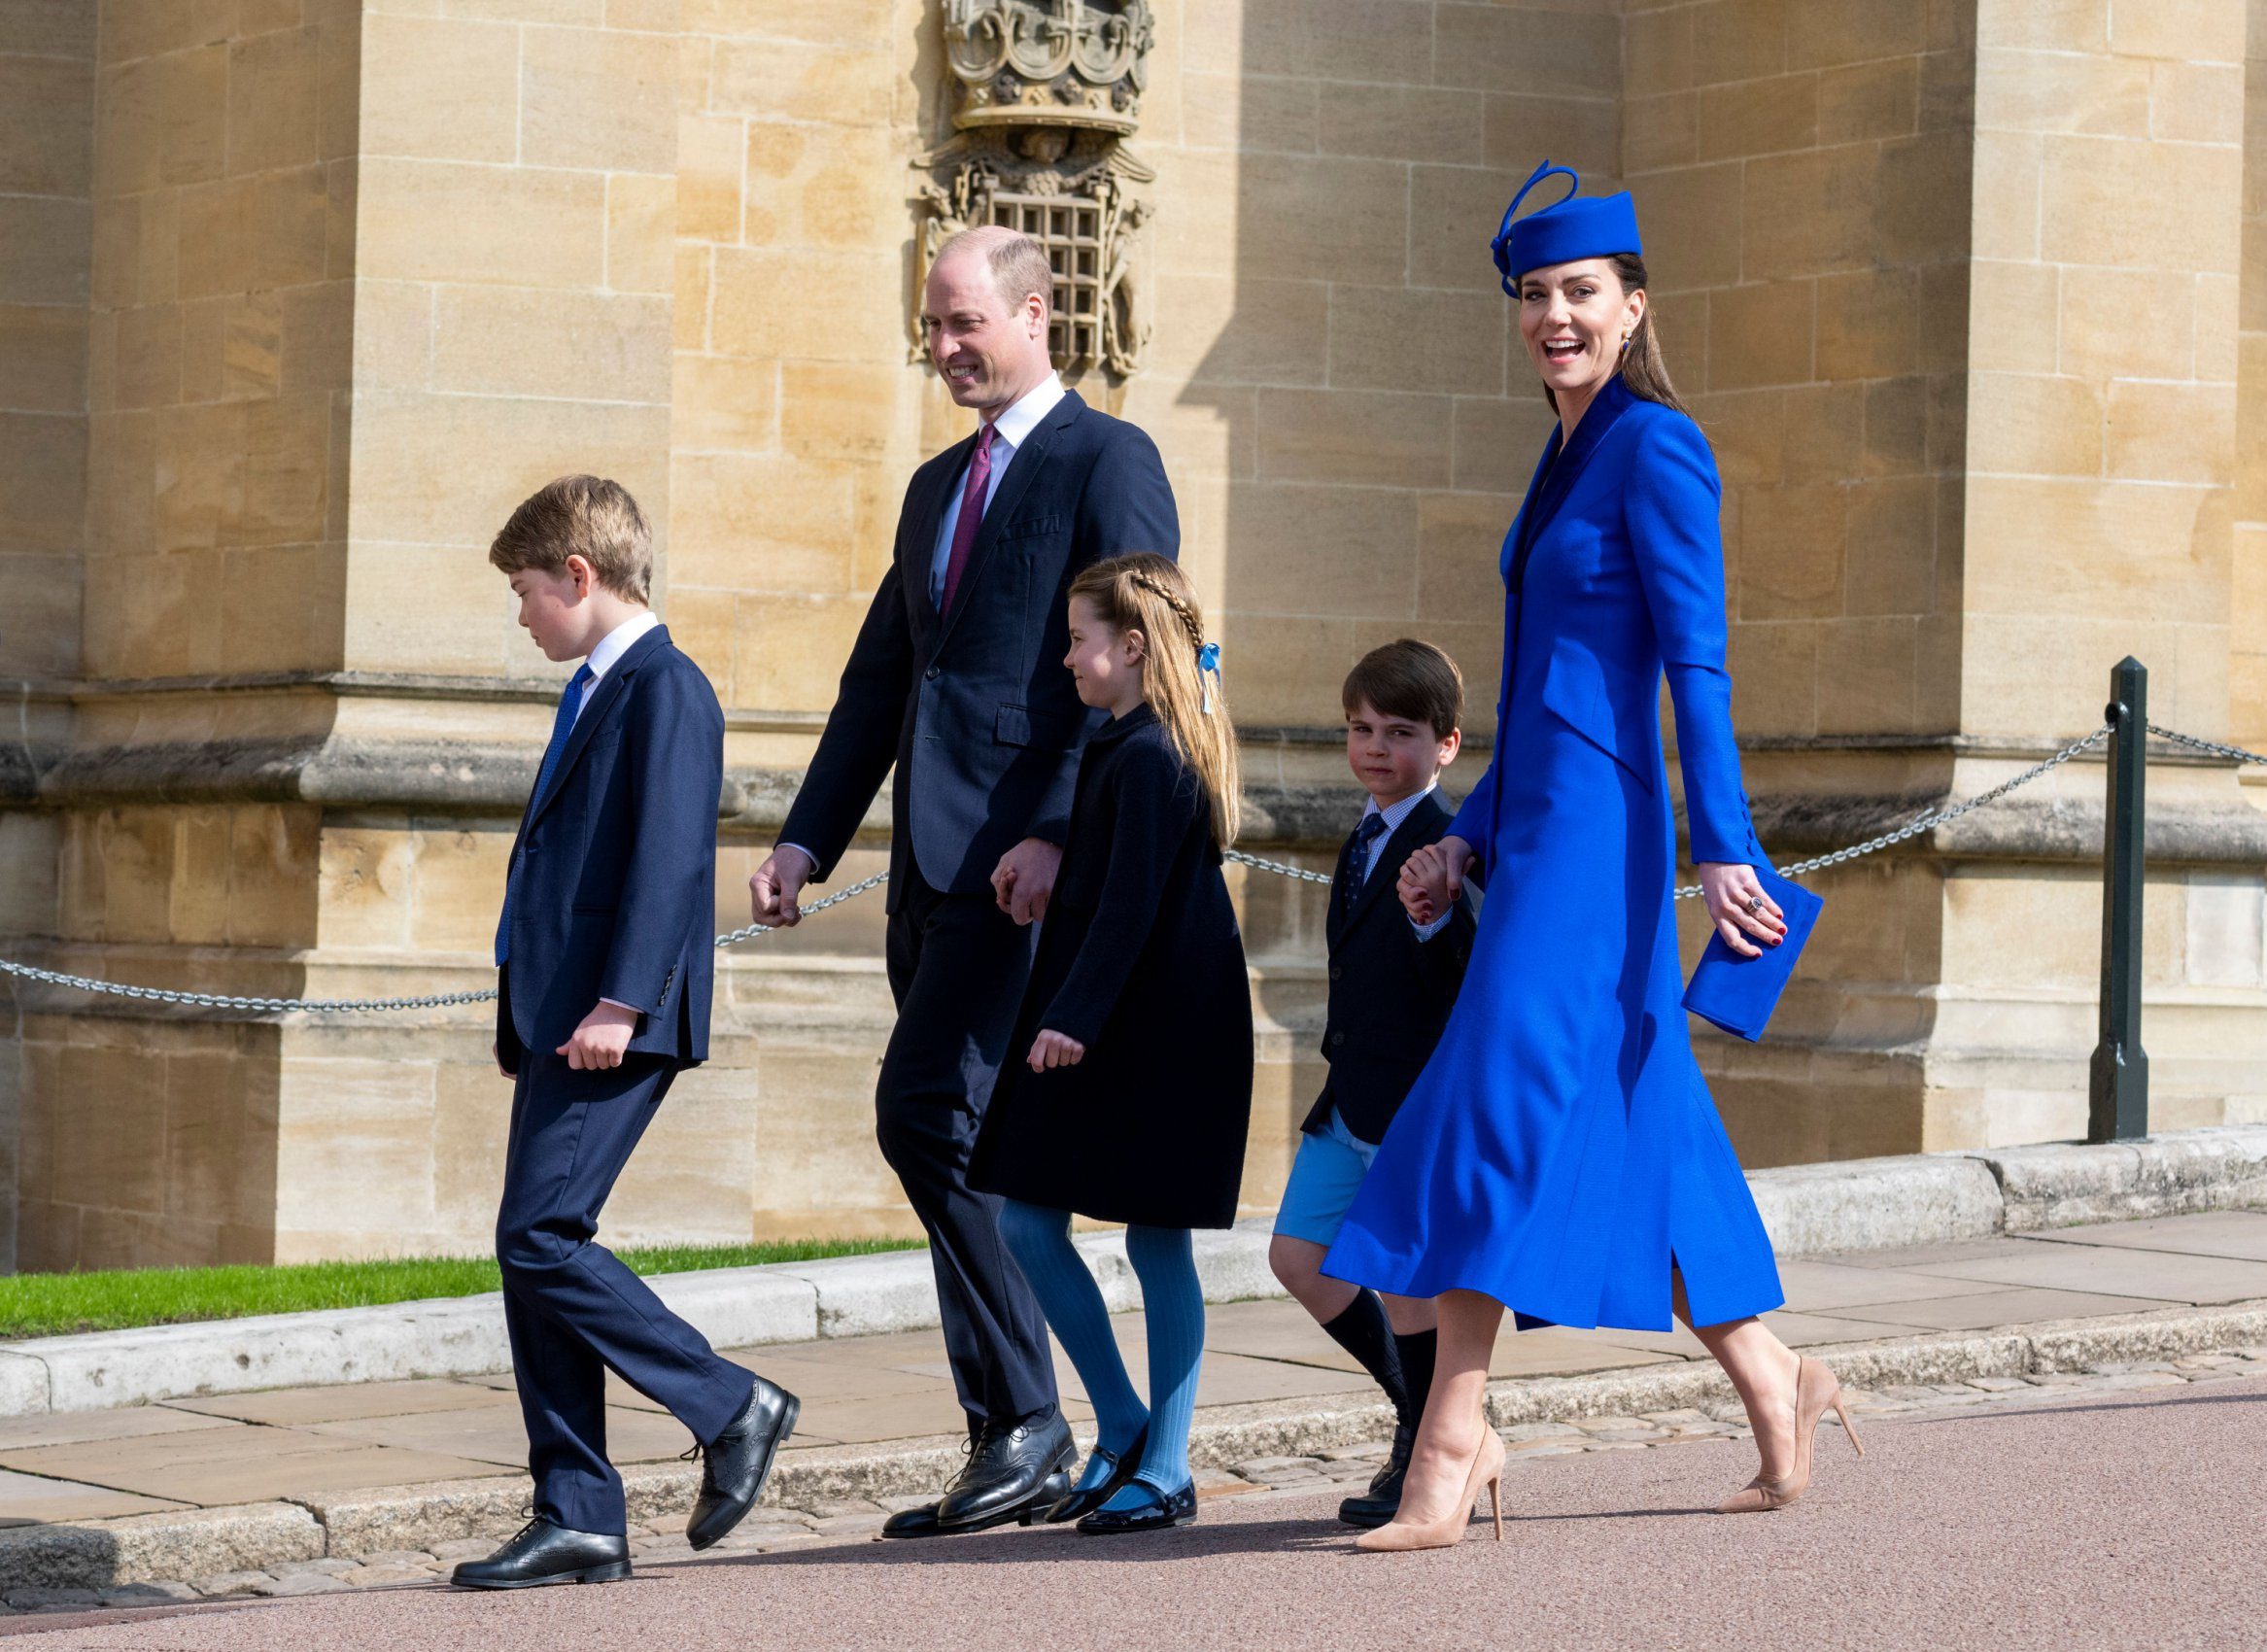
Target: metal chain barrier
2212	747
1914	828
364	1005
1932	819
1281	868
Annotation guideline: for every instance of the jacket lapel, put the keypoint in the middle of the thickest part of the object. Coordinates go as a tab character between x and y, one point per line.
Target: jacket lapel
601	699
1334	924
1400	846
921	551
1012	487
1557	479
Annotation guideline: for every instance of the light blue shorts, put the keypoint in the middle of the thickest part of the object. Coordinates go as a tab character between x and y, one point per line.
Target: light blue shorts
1329	1167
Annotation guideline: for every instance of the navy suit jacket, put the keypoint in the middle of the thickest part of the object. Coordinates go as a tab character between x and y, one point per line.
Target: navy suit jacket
616	863
1390	993
975	711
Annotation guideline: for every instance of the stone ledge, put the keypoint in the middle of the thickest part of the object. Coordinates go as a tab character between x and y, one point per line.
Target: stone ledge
200	1542
1807	1209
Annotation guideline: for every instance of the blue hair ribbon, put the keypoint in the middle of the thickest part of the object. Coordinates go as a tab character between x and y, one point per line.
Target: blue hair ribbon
1208	668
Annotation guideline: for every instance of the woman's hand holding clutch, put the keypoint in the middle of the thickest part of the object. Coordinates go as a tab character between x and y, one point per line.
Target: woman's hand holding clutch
1432	879
1739	908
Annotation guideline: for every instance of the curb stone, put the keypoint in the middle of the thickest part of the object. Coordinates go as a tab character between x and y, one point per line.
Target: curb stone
1809	1210
152	1548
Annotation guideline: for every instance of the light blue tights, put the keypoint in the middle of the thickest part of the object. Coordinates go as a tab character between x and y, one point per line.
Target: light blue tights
1173	1309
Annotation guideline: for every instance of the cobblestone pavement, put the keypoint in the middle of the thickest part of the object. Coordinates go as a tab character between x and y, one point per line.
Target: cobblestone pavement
771	1531
2101	1511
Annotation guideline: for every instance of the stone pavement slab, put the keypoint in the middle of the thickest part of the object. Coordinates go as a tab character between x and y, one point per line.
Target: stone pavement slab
2240	1234
32	1498
893	1391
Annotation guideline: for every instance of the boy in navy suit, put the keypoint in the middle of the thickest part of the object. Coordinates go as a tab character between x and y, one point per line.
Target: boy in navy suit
604	959
1392	985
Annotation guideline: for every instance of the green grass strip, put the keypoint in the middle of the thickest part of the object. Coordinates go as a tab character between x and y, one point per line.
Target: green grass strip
61	1304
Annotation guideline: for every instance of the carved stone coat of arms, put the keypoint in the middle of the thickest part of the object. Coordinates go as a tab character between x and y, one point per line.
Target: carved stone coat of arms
1045	94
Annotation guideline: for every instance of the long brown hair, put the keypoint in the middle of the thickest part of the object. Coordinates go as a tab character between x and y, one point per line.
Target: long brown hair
1643	367
1150	594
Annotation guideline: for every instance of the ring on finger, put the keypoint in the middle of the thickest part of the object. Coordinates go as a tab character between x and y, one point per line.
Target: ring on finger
1755	904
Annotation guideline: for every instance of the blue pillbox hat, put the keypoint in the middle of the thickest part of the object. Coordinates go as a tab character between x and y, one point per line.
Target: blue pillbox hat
1595	226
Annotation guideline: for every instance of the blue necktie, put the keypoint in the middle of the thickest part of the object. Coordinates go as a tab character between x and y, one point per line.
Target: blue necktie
569	703
1358	859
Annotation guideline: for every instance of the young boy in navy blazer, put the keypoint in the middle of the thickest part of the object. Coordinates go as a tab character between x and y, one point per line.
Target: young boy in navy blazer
1392	985
604	958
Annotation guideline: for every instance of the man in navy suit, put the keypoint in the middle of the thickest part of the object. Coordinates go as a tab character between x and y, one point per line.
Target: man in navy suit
604	959
957	679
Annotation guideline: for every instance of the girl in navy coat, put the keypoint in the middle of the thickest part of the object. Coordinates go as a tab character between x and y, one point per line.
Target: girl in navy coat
1134	1094
1560	1155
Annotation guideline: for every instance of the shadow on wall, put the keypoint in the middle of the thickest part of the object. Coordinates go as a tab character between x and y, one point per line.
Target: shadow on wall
1382	423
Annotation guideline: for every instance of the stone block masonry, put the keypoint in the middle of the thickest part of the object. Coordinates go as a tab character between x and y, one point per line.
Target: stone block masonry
297	298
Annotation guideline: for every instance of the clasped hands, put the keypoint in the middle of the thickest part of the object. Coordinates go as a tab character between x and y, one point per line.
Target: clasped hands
1021	885
1433	878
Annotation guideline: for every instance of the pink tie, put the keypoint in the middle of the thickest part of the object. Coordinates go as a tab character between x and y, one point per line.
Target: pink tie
971	516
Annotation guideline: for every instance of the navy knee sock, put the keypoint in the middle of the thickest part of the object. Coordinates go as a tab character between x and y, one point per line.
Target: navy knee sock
1040	1239
1173	1308
1363	1330
1417	1351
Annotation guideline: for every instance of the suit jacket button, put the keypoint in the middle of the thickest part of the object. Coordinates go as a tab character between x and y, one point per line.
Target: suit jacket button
1337	1039
1337	972
932	675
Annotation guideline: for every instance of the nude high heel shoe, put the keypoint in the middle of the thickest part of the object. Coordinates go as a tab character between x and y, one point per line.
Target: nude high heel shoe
1487	1471
1815	1391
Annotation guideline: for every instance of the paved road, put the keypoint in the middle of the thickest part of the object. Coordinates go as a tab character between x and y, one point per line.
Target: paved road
2110	1522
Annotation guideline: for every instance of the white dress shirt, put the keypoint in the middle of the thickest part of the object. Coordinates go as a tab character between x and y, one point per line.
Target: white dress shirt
1394	816
1010	432
608	652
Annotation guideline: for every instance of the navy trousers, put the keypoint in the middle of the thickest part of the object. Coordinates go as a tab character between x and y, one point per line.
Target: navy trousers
570	1305
958	965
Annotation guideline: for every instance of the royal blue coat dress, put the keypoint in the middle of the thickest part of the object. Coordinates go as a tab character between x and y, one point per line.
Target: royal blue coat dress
1561	1152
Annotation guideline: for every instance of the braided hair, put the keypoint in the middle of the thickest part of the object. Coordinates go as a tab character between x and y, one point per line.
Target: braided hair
1149	594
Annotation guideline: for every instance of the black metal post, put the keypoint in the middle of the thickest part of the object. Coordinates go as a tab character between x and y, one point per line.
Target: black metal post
2118	1088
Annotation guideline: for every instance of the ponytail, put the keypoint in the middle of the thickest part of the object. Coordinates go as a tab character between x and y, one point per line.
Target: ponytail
1149	593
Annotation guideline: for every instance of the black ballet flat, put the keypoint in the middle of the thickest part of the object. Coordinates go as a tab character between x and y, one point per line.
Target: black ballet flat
1179	1509
1078	1505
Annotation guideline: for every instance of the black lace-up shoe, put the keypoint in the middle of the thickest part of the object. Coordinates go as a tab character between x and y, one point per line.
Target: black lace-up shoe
1016	1472
543	1553
1383	1501
735	1464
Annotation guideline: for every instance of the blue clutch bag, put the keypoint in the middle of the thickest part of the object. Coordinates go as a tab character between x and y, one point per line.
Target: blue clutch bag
1738	994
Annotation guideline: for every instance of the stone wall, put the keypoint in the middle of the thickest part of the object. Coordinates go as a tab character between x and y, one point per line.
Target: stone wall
2248	628
298	297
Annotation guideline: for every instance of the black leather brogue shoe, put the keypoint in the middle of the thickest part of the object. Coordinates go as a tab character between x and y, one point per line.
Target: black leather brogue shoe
1156	1514
1010	1474
543	1553
735	1464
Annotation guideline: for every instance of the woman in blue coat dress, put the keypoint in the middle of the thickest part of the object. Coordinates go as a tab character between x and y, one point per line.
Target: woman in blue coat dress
1561	1155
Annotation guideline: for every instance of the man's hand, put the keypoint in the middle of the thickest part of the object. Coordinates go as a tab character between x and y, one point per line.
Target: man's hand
775	892
1024	879
1433	878
602	1039
1054	1049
